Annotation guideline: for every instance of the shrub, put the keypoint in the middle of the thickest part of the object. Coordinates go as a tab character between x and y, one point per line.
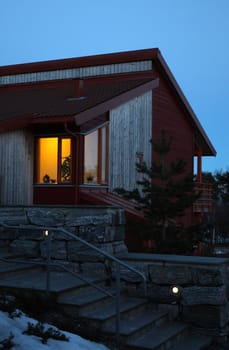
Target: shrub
40	331
7	343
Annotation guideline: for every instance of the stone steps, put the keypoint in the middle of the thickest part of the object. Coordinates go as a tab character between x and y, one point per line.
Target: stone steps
160	337
14	269
143	325
193	342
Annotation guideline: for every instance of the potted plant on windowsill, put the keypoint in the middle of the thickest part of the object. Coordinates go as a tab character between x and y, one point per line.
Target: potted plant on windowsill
90	179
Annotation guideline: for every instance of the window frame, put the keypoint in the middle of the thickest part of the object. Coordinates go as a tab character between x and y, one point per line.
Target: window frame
59	159
100	150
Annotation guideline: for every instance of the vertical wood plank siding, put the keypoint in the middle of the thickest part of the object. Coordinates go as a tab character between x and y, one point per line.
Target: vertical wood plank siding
130	133
82	72
16	168
169	115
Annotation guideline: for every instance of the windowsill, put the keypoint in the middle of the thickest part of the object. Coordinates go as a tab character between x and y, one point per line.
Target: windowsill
53	185
93	185
71	185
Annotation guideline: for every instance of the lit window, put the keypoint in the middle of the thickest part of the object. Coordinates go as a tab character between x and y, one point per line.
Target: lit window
54	160
96	157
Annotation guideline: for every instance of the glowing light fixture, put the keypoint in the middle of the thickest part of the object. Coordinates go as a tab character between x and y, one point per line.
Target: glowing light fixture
46	233
175	290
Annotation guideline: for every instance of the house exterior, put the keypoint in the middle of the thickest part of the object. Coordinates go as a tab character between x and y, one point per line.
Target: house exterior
72	130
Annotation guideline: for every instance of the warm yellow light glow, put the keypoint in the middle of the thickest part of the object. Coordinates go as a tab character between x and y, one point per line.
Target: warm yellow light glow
47	159
65	148
54	160
66	157
175	290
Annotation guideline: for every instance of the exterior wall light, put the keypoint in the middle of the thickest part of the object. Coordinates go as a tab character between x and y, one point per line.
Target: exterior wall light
46	233
175	291
176	294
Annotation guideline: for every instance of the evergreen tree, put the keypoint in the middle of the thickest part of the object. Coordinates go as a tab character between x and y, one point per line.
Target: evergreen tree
222	179
165	190
222	202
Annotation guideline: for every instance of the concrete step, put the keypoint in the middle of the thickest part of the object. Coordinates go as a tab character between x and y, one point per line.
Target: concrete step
161	337
105	311
83	301
10	263
193	342
143	326
35	278
82	290
12	268
135	324
137	316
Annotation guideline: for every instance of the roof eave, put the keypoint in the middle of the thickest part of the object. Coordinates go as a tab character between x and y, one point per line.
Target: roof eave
114	102
84	61
163	64
17	123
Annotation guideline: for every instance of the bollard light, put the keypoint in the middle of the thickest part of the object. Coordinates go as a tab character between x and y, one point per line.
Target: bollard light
175	290
46	233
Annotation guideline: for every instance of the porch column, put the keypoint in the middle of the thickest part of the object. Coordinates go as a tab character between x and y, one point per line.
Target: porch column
199	166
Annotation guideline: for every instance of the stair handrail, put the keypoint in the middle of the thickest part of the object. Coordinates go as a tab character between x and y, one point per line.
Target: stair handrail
119	262
61	266
81	240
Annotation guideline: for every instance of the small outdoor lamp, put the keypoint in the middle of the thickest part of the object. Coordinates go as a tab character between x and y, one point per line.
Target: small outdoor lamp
176	294
175	291
46	233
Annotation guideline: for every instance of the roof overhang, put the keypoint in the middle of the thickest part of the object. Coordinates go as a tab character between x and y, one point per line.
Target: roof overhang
202	139
56	102
114	102
154	55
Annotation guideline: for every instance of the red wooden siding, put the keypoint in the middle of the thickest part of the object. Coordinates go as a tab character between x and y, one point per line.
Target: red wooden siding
66	195
169	115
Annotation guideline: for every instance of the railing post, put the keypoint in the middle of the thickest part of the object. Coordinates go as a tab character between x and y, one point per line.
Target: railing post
48	259
118	288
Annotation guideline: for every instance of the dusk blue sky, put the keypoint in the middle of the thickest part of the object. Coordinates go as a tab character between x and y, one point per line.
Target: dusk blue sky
193	36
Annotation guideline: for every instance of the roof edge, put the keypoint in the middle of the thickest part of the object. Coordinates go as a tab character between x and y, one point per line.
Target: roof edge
77	62
184	100
114	102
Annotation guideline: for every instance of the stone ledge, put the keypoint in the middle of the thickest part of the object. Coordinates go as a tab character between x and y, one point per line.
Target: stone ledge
100	225
177	259
197	295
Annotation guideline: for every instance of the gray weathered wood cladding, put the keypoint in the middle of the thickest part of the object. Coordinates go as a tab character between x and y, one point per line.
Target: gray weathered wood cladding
82	72
16	168
133	120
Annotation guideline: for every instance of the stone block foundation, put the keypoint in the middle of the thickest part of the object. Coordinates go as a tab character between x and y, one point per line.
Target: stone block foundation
100	225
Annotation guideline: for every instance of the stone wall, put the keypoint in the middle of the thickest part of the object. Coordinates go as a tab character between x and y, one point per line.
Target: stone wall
203	283
102	226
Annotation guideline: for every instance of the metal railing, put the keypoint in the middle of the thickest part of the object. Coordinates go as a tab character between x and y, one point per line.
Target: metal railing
204	203
48	234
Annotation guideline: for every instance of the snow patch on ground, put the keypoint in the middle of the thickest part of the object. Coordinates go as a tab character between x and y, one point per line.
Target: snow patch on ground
18	325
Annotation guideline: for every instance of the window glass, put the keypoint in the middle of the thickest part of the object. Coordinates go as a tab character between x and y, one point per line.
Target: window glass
65	160
96	156
103	155
54	160
47	159
91	157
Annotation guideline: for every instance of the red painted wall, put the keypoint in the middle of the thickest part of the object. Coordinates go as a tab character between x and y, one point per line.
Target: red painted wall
66	195
170	116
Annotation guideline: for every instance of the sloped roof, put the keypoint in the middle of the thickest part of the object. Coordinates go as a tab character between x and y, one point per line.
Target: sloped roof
61	101
46	102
